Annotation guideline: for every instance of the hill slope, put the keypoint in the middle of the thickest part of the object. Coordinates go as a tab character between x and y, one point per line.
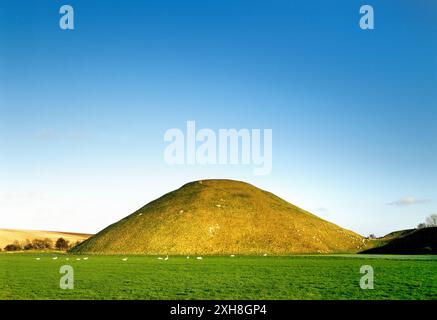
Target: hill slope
221	217
8	236
419	241
396	234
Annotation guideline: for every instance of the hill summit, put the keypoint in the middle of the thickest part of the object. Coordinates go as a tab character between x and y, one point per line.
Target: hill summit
221	217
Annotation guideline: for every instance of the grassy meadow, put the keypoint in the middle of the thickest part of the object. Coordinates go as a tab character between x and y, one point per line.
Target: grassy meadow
22	276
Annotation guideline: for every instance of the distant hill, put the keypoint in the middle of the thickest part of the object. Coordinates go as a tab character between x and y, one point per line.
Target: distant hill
8	236
420	241
397	234
221	217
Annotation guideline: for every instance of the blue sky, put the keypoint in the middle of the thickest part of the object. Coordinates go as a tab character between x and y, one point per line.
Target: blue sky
83	112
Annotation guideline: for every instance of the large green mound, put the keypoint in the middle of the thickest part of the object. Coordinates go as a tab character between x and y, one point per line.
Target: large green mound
221	217
420	241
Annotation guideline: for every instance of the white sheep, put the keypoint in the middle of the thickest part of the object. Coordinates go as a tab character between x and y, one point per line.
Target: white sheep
124	259
199	258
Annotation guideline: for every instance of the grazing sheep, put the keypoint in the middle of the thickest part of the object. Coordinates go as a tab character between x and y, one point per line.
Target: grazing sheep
232	255
55	258
265	254
77	259
199	258
38	258
124	259
166	258
160	258
188	257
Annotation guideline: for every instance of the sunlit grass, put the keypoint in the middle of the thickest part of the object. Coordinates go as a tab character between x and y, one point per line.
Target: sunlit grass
22	276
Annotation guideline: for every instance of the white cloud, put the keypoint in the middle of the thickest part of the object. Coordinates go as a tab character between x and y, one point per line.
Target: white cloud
407	201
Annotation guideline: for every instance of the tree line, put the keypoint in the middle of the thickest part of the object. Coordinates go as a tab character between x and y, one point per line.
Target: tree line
61	244
431	221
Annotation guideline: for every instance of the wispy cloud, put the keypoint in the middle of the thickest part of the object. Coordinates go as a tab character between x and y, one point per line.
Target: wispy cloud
322	211
47	134
25	195
407	201
50	134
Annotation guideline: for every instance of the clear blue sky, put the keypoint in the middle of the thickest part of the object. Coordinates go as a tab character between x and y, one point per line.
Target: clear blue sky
83	112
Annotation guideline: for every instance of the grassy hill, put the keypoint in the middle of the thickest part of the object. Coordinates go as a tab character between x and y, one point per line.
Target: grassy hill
8	236
221	217
396	234
420	241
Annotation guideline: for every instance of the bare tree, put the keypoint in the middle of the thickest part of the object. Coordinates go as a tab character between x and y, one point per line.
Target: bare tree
421	225
431	221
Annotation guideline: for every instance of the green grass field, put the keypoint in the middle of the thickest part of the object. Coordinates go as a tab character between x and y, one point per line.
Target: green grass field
146	277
